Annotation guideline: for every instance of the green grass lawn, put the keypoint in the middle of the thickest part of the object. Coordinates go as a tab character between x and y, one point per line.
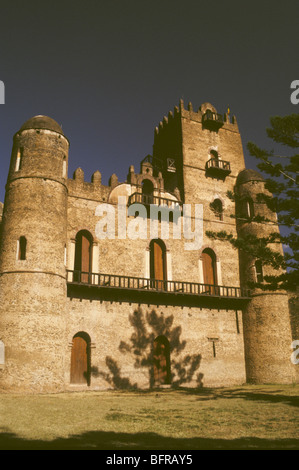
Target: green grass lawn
245	417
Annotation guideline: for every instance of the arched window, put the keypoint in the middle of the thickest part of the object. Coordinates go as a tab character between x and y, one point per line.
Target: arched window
83	257
217	208
158	264
21	249
161	361
209	268
259	271
80	359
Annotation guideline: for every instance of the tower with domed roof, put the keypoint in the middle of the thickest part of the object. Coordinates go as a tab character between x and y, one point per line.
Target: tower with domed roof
32	269
266	318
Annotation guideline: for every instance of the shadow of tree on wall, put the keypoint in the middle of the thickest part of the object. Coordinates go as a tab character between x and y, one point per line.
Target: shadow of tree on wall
146	328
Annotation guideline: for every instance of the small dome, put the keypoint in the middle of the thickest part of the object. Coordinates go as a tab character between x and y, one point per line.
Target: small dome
42	122
248	175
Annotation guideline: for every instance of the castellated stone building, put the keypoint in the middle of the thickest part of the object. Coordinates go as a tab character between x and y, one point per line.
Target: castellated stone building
92	296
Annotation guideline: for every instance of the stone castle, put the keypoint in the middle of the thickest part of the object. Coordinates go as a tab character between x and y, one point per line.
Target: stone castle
80	311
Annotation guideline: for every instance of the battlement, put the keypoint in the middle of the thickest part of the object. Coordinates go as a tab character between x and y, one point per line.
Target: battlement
179	112
94	189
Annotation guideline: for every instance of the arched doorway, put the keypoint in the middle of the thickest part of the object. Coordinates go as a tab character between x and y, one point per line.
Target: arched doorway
158	264
161	361
80	359
83	256
147	192
209	269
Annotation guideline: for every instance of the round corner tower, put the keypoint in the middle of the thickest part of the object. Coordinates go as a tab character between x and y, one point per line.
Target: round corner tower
32	259
266	319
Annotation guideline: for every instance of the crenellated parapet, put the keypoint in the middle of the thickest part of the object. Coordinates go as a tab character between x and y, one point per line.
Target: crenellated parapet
227	120
94	189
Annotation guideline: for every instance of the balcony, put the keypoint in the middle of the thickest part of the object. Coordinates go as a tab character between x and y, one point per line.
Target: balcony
212	121
148	199
145	290
218	168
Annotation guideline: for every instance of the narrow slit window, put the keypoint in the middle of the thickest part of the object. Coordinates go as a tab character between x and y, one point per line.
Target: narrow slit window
64	167
247	208
19	159
22	246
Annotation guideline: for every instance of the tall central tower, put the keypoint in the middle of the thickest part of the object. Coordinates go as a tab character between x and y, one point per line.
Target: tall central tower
32	259
200	153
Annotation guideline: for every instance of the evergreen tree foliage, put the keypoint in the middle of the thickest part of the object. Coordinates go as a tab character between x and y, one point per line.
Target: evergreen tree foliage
281	174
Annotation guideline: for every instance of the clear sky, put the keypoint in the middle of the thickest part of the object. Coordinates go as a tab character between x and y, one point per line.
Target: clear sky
108	71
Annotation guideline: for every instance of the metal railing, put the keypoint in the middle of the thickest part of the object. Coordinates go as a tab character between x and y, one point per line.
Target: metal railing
114	281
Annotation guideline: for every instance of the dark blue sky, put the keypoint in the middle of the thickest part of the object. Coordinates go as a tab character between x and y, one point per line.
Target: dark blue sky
108	71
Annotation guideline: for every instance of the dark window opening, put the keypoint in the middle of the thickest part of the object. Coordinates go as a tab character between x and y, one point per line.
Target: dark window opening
217	208
214	155
147	192
22	246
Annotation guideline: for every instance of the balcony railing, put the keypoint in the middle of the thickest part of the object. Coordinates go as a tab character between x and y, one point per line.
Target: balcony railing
148	199
212	121
217	167
114	281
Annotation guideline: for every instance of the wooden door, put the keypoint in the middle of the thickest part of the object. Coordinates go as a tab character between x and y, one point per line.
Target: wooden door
158	265
209	269
79	361
85	258
161	362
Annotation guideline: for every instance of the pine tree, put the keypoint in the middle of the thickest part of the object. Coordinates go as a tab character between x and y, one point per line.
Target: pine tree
281	173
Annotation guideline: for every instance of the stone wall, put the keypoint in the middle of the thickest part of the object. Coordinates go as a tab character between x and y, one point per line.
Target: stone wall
189	330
